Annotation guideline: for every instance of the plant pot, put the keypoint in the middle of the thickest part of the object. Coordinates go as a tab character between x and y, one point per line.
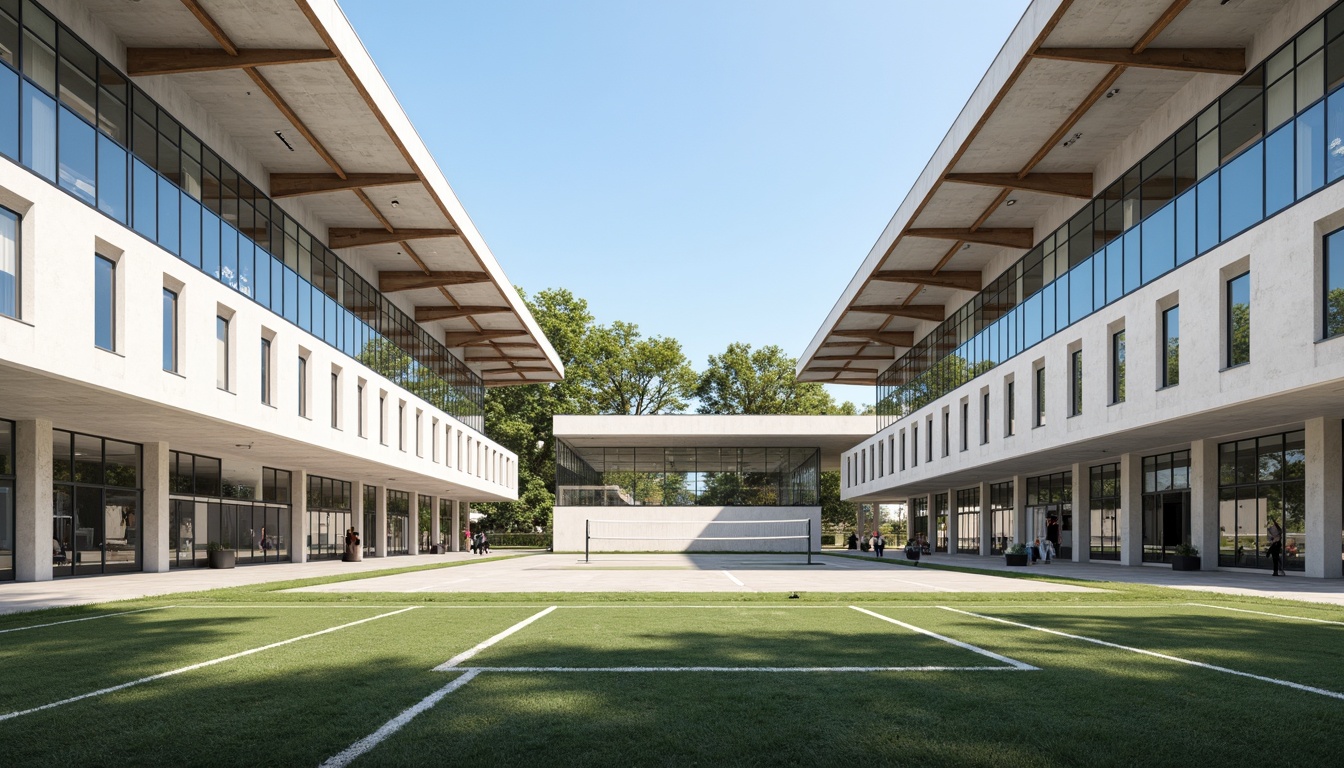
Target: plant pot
1185	562
1015	559
222	558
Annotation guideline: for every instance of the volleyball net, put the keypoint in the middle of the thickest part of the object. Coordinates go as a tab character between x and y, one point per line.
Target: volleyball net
635	532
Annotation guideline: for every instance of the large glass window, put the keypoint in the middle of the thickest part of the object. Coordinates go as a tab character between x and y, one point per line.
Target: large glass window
104	303
236	514
1002	519
1239	320
1171	347
95	505
9	263
1262	481
1118	367
398	523
1050	497
1166	505
7	519
940	522
1332	293
968	521
329	517
1104	506
222	353
169	331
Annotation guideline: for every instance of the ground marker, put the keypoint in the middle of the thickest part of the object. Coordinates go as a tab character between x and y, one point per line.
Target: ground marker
1263	613
734	579
86	618
397	723
194	667
1155	654
463	656
973	648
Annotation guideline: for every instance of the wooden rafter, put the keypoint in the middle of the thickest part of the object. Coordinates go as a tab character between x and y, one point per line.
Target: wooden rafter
890	338
466	338
390	282
1065	184
294	184
962	281
1218	61
211	26
176	61
353	237
1010	237
430	314
935	312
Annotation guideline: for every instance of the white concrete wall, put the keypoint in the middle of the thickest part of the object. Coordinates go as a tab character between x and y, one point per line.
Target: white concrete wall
659	529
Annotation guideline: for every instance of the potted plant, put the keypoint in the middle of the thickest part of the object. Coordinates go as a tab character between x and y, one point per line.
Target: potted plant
1016	555
219	556
1185	558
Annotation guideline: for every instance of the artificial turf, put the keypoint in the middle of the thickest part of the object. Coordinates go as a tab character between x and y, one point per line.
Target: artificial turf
303	702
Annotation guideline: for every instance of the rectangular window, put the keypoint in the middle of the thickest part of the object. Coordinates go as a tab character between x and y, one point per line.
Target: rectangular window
169	331
303	386
1012	408
965	425
382	418
914	445
1239	320
1040	396
1171	350
947	429
1332	298
222	353
984	418
401	426
335	400
1118	367
928	441
104	303
266	371
359	405
9	263
418	451
902	451
1076	374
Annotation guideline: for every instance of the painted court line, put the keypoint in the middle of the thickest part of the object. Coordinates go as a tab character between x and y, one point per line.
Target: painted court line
1263	613
734	579
397	723
86	618
973	648
750	669
194	667
467	654
1155	654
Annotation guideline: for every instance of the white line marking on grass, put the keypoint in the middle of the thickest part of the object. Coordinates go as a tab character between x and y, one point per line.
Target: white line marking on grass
752	669
973	648
734	579
397	723
1263	613
1155	654
86	618
194	667
467	654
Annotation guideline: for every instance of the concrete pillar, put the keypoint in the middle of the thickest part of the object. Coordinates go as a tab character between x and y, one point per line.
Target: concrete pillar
952	527
1204	501
298	517
33	530
1082	515
1022	530
457	526
859	519
1323	497
380	521
413	525
435	532
1131	509
155	518
986	521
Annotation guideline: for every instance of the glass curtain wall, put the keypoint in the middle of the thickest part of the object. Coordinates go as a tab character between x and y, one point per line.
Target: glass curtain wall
68	115
366	536
7	521
940	522
96	498
1265	144
1166	505
9	261
445	511
1259	480
1002	520
398	523
919	517
329	517
1049	495
680	477
1104	506
204	509
424	513
968	521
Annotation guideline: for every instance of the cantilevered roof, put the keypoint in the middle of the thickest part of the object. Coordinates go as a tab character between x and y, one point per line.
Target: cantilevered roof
1073	81
296	66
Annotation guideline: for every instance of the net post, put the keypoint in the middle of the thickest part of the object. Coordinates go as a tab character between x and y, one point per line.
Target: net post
809	541
587	532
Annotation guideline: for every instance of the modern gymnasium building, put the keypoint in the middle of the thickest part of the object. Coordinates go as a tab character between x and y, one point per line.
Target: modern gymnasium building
1115	294
239	303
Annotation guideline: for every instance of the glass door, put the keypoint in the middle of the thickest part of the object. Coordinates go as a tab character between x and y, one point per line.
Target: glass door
1166	524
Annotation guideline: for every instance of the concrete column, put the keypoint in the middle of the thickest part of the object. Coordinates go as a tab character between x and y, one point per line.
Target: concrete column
1323	493
33	530
380	521
1204	501
457	526
1082	515
413	524
859	519
952	521
986	522
1131	509
1022	530
155	517
298	517
435	532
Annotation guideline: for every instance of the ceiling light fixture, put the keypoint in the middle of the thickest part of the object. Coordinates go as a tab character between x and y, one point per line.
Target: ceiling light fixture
1011	201
284	141
1112	92
396	203
1072	139
965	246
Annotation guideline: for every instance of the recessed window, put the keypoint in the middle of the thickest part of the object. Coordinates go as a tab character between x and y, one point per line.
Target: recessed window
984	418
9	263
359	405
1239	320
222	352
965	425
947	429
914	445
169	331
303	386
1040	396
1010	394
401	426
266	371
382	418
1076	375
335	400
1118	367
1332	298
1171	347
104	303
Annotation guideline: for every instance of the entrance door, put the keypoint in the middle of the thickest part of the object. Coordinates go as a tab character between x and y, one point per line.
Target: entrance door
1166	524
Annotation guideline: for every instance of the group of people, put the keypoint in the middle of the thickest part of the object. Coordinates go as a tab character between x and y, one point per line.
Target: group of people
1049	549
479	542
877	542
354	551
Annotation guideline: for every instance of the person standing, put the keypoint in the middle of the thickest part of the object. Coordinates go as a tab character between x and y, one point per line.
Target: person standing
1275	549
879	543
1051	537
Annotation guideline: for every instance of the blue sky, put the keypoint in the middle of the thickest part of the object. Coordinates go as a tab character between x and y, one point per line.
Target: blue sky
711	171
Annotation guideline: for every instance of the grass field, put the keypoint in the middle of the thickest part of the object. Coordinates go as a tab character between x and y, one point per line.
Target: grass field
257	676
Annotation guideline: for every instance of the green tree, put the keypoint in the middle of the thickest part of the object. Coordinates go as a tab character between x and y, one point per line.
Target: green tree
1334	312
628	374
741	381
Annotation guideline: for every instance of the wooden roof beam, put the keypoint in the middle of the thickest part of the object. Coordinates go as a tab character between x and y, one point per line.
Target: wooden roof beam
430	314
467	338
1008	237
890	338
295	184
176	61
1065	184
353	237
1218	61
962	281
390	282
935	312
